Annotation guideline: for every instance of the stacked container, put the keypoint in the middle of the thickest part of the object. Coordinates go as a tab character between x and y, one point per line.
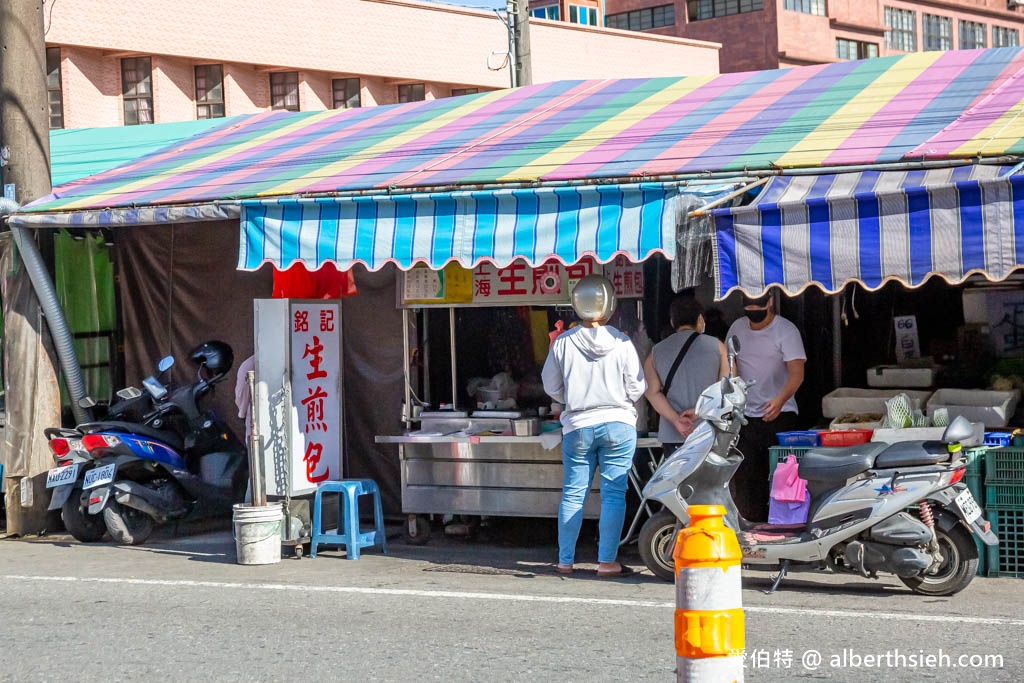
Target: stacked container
1004	508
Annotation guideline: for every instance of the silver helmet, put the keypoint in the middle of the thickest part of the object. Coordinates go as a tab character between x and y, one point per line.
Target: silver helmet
593	298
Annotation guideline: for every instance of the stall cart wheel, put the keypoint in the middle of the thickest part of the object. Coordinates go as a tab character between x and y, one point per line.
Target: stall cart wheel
417	530
298	551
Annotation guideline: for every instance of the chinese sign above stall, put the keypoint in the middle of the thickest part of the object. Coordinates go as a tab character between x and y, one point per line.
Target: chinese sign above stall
316	401
516	284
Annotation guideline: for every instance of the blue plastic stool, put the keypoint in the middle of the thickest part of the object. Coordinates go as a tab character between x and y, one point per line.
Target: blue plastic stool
348	491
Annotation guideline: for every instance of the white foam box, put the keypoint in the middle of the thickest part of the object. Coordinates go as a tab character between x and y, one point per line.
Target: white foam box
837	426
992	408
896	376
847	400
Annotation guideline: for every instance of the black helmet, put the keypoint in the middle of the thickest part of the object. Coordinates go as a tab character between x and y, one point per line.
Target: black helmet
216	356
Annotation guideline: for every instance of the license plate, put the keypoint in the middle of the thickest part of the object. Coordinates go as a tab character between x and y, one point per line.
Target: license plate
99	476
968	506
59	476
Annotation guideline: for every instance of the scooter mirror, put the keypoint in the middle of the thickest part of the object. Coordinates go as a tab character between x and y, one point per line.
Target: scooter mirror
166	363
87	402
732	345
724	387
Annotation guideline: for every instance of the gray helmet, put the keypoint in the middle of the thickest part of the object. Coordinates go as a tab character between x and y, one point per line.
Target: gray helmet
593	298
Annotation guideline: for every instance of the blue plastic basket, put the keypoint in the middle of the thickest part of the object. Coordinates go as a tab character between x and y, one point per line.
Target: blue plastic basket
803	439
1000	439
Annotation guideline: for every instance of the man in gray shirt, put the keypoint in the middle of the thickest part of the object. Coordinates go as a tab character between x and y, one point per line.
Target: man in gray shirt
705	362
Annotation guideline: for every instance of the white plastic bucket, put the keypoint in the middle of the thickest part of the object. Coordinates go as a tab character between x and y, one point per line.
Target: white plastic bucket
257	532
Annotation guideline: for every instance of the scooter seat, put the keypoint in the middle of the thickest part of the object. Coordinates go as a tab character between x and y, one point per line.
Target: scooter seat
839	464
912	454
167	437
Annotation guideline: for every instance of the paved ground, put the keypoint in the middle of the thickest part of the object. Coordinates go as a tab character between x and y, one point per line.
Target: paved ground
181	609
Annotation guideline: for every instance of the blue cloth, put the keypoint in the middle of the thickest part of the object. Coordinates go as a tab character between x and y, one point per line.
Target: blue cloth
609	446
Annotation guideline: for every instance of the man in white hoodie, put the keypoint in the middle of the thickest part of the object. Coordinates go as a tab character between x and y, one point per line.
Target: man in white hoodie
594	370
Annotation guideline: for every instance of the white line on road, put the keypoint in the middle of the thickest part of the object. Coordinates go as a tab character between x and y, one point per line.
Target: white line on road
790	611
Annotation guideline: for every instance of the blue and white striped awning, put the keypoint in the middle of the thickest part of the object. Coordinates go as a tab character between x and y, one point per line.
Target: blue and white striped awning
872	227
497	226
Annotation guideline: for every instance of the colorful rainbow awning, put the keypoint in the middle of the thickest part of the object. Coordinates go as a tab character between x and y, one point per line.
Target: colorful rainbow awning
928	105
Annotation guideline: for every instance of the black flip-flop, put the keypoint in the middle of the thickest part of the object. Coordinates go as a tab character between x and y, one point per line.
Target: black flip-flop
622	573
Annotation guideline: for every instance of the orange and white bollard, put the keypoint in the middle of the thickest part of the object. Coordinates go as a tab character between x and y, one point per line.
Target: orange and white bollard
709	603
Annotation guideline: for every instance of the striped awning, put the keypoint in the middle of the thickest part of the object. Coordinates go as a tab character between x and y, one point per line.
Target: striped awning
959	104
496	226
872	227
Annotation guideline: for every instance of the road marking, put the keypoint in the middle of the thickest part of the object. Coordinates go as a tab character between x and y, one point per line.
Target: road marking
463	595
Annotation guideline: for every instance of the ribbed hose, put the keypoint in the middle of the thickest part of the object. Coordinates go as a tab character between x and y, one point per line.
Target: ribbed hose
62	340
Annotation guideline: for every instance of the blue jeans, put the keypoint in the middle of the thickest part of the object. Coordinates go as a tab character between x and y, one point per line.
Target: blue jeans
610	446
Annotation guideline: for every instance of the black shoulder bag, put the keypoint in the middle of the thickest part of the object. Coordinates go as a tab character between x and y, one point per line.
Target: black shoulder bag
679	359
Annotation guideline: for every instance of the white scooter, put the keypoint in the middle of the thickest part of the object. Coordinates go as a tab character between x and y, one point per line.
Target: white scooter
858	520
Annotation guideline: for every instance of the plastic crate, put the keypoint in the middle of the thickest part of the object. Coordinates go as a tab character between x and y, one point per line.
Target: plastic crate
998	439
805	439
1004	495
1005	465
1006	559
844	438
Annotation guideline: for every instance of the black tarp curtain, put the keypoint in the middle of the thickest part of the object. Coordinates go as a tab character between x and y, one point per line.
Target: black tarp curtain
178	287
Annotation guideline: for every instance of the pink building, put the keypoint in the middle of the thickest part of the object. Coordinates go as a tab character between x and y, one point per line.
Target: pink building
172	60
768	34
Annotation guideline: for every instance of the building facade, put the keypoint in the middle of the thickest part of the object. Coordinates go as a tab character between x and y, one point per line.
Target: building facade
155	61
769	34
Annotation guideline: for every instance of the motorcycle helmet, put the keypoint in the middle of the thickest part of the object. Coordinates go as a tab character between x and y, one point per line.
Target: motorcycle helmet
593	298
214	355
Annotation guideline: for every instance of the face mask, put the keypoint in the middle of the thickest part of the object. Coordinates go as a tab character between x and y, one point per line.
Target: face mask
756	315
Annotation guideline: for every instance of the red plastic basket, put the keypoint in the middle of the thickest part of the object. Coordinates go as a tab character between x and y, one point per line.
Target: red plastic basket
844	437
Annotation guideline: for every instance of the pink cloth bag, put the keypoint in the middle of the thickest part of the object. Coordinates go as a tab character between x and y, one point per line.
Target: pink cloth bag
790	501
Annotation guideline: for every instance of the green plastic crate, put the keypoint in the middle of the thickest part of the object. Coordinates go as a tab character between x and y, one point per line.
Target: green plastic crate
1006	559
1007	496
777	454
1005	466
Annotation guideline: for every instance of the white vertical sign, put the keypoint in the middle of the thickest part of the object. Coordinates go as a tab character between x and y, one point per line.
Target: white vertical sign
316	394
907	345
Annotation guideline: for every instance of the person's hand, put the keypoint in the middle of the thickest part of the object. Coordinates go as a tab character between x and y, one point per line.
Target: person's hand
772	409
684	422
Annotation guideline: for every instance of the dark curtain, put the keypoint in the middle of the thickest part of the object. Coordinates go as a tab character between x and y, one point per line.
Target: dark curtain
179	287
374	381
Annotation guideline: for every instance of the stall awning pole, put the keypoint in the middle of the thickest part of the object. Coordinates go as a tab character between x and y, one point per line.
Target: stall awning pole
455	386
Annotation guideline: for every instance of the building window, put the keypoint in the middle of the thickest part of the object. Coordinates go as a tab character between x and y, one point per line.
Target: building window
901	29
411	92
284	90
209	91
643	19
712	9
1005	37
972	35
137	90
855	49
937	32
549	12
459	92
53	92
583	15
346	93
806	6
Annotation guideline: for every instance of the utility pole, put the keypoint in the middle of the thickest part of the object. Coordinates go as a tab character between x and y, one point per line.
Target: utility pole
521	40
30	372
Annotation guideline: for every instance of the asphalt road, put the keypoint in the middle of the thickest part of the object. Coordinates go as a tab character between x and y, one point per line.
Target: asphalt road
181	609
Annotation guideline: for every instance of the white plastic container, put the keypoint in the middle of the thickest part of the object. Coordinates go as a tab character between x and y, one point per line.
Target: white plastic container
896	376
992	408
257	532
925	434
845	400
